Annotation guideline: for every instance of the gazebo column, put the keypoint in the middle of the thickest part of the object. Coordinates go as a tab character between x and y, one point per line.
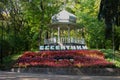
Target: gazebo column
75	38
52	40
58	34
68	35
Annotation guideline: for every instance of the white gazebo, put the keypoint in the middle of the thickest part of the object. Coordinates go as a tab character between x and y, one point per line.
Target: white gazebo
60	22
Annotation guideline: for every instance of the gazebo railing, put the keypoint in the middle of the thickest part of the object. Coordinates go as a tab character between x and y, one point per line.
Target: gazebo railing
64	40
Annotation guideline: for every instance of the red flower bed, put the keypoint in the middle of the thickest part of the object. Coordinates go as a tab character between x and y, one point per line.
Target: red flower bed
69	58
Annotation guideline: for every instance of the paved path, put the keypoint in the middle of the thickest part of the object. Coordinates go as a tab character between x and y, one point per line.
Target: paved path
30	76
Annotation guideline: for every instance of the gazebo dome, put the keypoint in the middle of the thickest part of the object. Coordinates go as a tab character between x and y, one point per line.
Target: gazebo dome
64	17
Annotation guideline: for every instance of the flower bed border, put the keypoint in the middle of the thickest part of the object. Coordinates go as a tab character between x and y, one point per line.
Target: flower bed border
91	71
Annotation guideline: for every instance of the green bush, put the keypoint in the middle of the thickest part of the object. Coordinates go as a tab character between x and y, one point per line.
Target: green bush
112	56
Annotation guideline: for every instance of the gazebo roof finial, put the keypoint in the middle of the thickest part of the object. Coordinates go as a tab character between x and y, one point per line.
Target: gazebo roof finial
64	5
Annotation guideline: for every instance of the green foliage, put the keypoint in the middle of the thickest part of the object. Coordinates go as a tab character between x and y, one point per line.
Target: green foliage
87	12
9	61
108	53
25	23
112	56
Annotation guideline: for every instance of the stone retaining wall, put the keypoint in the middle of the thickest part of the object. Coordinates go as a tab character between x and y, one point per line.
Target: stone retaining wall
71	71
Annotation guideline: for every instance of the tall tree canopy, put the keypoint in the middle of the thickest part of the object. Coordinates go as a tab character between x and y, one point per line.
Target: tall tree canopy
110	12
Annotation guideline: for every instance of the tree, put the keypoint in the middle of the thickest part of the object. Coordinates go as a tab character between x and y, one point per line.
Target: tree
86	12
110	12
